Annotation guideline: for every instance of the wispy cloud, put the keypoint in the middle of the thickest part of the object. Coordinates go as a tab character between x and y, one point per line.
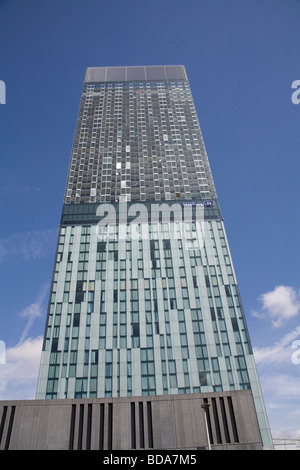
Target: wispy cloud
281	386
28	245
26	189
279	305
10	187
33	311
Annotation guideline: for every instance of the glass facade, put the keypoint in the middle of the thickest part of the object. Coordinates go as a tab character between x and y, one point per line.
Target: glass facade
144	298
138	140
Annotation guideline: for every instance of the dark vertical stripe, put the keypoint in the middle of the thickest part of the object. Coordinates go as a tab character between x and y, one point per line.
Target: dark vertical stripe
101	433
89	428
72	428
150	427
233	422
209	423
216	420
110	426
133	430
80	427
224	419
3	418
141	417
10	425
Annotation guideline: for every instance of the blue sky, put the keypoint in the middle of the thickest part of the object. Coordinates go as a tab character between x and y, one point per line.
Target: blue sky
241	58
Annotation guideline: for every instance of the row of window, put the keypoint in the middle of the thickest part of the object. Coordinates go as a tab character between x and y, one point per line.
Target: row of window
126	130
121	328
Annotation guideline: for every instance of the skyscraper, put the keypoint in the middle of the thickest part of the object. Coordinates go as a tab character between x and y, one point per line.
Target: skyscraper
144	300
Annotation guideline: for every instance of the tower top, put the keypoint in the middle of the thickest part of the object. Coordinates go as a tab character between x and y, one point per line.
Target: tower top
135	73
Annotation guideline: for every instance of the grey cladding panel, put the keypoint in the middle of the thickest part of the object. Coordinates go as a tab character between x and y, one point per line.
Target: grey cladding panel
116	74
138	73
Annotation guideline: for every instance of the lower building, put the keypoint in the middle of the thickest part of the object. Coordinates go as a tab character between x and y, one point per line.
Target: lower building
216	421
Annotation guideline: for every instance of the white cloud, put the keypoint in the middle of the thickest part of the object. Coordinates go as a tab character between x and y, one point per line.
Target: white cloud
278	353
281	395
19	372
280	382
282	386
28	245
280	305
18	376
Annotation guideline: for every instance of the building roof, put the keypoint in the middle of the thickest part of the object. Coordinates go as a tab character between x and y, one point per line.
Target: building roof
135	73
